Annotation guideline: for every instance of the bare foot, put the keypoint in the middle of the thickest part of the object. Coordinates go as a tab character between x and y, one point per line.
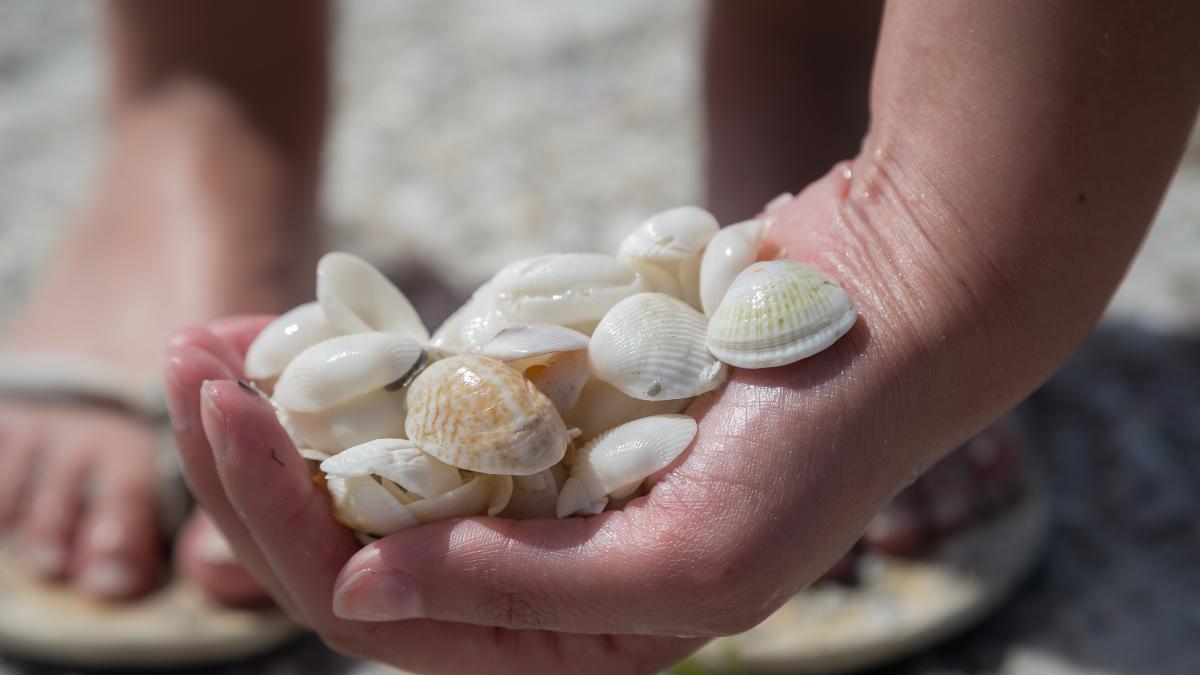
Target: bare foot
193	218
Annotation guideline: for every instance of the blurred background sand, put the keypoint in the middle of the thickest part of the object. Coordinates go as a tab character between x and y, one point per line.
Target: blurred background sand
465	138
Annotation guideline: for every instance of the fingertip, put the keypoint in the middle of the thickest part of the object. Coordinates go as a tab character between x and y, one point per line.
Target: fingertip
202	339
239	331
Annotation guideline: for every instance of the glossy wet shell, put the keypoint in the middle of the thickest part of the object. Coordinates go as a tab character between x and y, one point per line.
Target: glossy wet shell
478	414
619	459
652	347
343	368
564	288
397	460
777	312
730	251
376	414
357	298
284	338
675	234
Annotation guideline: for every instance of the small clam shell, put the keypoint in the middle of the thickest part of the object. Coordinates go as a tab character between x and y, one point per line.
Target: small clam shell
564	288
482	494
284	338
357	298
626	455
345	367
533	496
660	279
676	234
561	377
523	341
574	500
602	406
552	357
397	460
364	505
652	347
376	414
730	251
478	414
777	312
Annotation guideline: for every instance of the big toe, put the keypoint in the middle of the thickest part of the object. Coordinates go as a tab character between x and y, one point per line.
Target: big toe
203	555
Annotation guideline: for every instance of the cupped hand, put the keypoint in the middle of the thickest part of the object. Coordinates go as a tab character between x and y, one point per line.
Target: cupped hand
777	486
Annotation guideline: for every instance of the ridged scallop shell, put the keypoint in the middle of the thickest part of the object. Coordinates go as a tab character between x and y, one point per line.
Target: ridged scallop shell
364	505
730	251
397	460
777	312
533	496
478	414
376	414
602	406
675	234
284	338
623	457
357	298
483	494
345	367
564	288
652	347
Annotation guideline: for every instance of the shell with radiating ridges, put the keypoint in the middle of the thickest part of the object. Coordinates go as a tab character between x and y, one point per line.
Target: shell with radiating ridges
357	298
376	414
564	288
397	460
284	338
342	368
478	414
777	312
652	347
730	251
617	461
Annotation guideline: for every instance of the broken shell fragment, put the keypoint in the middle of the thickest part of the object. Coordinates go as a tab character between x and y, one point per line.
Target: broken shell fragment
284	338
652	347
345	367
730	251
482	494
777	312
564	288
364	505
478	414
574	500
357	298
397	460
552	357
617	461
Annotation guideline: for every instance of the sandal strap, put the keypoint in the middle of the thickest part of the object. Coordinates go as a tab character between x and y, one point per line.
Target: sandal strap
50	376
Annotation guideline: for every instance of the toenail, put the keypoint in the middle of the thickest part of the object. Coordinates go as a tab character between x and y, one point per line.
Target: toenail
45	559
107	578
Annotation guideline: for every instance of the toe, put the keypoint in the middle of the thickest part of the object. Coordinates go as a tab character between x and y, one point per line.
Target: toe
47	528
18	446
898	529
203	555
950	494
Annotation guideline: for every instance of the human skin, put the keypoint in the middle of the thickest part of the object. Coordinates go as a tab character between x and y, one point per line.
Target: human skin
1017	153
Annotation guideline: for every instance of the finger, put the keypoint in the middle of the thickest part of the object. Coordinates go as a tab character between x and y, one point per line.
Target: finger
54	512
18	447
269	485
203	339
187	369
240	331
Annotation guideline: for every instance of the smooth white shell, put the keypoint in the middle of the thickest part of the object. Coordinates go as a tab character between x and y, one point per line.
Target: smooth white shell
364	505
777	312
533	496
574	500
675	234
357	298
482	494
526	340
564	288
399	461
478	414
376	414
626	455
730	251
552	357
652	347
285	337
344	367
602	406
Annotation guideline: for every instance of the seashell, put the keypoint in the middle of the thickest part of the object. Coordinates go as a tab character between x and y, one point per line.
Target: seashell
345	367
564	288
482	494
533	496
552	357
313	455
357	298
777	312
659	279
478	414
730	251
376	414
574	500
366	506
447	339
523	341
652	347
284	338
397	460
403	496
623	457
602	406
673	235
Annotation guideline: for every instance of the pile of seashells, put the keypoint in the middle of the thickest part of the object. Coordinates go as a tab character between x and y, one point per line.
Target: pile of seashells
554	391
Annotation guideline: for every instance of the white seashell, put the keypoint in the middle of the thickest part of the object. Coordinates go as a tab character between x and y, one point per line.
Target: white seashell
564	288
730	251
533	496
364	505
552	357
573	500
523	341
313	455
403	496
777	312
602	406
478	414
357	298
284	338
676	234
561	377
397	460
376	414
478	496
652	347
659	279
626	455
447	339
345	367
626	490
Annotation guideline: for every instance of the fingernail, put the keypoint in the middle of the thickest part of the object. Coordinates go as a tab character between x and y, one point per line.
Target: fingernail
377	595
181	418
214	421
45	559
107	579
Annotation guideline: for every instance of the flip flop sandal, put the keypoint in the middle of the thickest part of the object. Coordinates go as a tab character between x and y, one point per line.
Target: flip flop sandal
177	624
899	606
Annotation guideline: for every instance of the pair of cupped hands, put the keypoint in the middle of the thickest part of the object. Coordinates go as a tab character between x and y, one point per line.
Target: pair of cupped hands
776	487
